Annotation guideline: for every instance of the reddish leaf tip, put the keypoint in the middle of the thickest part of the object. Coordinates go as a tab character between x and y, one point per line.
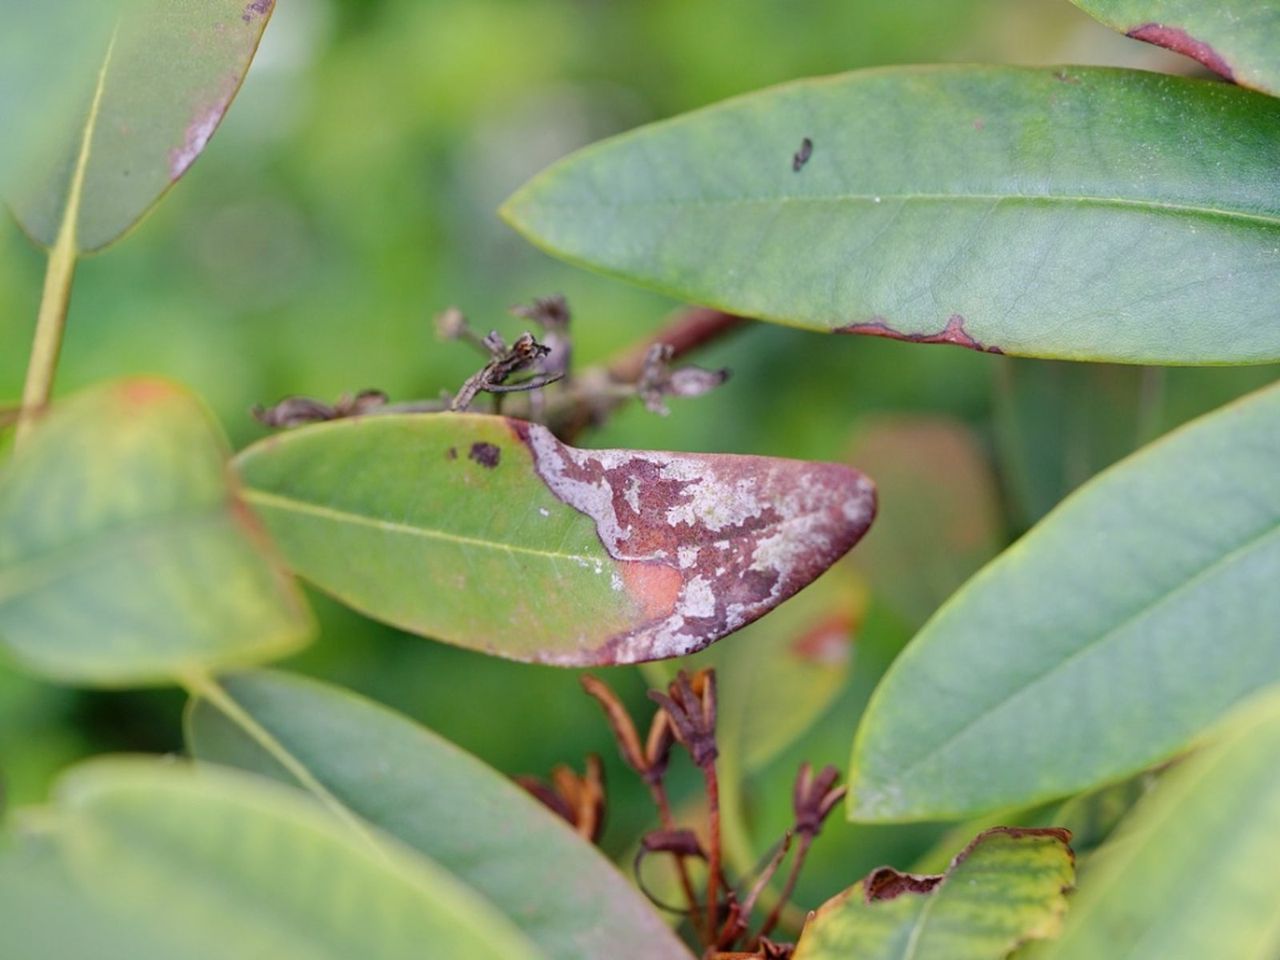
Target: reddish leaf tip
705	543
1179	41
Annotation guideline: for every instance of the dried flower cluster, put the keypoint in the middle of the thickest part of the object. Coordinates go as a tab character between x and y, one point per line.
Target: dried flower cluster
721	917
532	363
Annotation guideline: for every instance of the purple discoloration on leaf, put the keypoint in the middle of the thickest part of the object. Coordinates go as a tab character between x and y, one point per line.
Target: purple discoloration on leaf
197	136
954	333
1179	41
704	544
487	455
258	8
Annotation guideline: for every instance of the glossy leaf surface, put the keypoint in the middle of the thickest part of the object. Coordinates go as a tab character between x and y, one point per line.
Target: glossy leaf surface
490	533
1239	39
432	796
1007	887
1076	213
1192	872
145	860
126	555
1119	628
164	80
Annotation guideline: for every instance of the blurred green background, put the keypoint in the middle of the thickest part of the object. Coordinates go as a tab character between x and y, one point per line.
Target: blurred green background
350	195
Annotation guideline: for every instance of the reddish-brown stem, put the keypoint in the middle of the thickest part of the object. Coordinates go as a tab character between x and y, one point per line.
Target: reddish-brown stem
691	329
601	390
713	852
771	921
669	823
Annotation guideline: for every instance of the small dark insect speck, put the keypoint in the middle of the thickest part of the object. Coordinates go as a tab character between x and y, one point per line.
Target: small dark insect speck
486	454
802	155
452	453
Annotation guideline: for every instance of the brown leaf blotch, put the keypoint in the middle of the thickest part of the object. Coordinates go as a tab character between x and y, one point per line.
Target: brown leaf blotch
886	883
704	544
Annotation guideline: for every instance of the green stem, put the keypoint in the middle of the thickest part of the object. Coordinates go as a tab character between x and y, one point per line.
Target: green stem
55	300
50	325
201	685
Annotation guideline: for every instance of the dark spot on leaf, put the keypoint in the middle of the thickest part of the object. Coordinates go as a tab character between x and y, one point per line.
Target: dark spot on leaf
1179	41
451	453
886	883
485	454
257	8
802	155
954	332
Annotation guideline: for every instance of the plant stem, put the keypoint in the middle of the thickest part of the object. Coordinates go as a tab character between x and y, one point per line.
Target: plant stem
56	298
50	325
201	685
784	898
668	822
713	853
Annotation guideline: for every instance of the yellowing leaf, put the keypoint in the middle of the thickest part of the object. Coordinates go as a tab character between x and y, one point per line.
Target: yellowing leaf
126	555
1008	886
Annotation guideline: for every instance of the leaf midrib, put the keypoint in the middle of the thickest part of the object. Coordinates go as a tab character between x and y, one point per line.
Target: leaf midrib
278	502
882	199
1229	556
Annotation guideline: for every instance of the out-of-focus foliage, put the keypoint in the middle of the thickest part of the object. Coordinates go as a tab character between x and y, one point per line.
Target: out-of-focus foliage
351	194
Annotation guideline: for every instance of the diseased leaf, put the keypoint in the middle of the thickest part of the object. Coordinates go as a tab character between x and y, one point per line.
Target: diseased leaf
1008	886
1120	627
434	797
939	519
1191	873
166	76
1077	213
125	554
491	534
1239	39
142	859
781	674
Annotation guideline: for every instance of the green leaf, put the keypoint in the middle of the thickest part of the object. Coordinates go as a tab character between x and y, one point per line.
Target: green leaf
939	518
443	802
125	554
165	78
47	58
163	861
1008	886
1192	873
1096	414
1239	39
1120	627
1077	213
490	533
